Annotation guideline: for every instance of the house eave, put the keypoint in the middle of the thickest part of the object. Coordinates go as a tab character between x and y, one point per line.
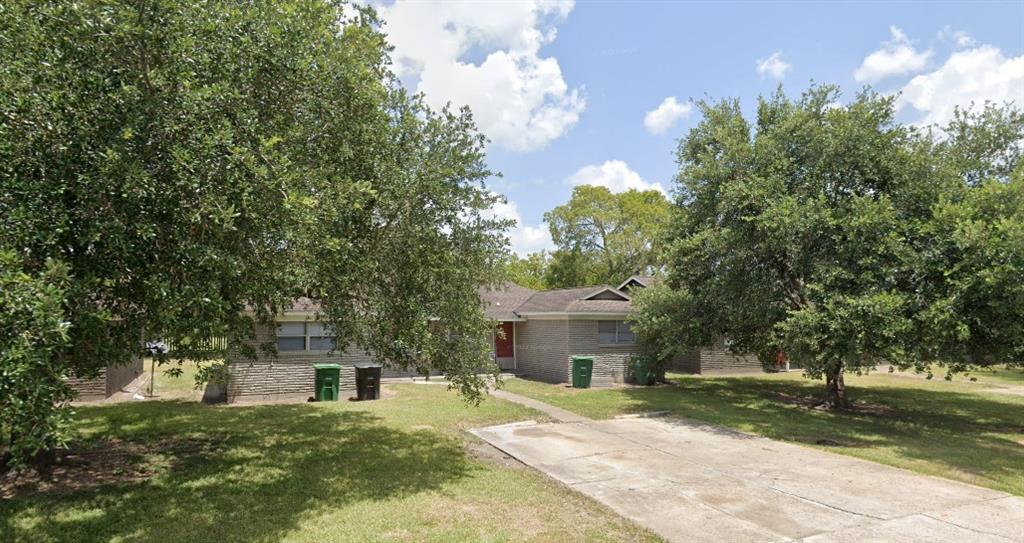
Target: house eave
563	315
507	319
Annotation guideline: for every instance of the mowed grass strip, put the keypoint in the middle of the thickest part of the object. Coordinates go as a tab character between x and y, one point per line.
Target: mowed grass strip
958	430
399	469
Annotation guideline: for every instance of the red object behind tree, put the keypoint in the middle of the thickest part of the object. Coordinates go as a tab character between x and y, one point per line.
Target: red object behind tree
504	340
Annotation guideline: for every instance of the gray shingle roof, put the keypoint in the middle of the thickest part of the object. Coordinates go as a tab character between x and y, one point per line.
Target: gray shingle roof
573	300
501	302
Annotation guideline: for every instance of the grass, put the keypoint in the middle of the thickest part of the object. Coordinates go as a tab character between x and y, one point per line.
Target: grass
171	387
995	376
958	430
1004	375
399	469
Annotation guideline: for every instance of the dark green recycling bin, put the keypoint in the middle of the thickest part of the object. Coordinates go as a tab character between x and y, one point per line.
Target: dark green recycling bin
367	381
326	382
643	371
582	369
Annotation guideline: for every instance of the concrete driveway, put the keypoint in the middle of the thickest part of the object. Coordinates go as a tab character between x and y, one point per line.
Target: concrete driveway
689	481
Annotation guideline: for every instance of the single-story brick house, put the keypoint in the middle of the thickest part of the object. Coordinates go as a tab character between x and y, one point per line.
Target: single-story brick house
301	342
536	334
544	329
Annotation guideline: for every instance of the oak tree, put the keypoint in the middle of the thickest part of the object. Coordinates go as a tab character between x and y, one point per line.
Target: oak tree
844	239
187	161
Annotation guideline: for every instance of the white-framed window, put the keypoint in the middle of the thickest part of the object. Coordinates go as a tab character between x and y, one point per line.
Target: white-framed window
304	336
614	333
321	338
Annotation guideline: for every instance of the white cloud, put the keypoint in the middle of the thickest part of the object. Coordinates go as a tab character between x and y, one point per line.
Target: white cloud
659	120
958	37
971	75
963	39
773	66
897	56
616	175
523	238
519	99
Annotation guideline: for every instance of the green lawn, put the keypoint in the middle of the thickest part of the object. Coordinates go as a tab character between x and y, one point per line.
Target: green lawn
996	376
399	469
999	375
957	430
171	387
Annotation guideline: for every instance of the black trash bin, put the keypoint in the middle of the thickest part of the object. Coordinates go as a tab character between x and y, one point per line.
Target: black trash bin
367	381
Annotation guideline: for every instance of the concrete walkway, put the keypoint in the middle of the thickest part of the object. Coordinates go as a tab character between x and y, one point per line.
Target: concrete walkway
690	481
557	413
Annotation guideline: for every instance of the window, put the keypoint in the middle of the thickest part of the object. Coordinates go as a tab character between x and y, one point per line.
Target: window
304	336
321	338
614	333
291	336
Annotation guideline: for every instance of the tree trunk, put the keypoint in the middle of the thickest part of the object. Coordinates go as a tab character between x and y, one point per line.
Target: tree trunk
835	389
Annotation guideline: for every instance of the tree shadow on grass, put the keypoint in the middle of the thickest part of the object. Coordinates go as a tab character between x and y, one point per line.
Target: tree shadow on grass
256	472
976	438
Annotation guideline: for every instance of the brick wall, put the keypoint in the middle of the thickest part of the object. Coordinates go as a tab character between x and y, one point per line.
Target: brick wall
611	362
89	388
717	359
688	362
291	374
542	350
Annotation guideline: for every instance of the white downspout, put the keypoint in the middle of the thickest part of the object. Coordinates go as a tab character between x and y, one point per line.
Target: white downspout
515	351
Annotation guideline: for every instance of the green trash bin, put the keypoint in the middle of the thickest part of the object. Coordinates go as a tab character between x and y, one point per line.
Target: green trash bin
643	371
582	369
326	382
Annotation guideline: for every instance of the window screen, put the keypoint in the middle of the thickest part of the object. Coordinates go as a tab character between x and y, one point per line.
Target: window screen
625	334
614	333
606	332
291	336
321	338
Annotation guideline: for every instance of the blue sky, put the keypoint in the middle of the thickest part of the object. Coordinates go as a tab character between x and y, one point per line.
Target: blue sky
563	89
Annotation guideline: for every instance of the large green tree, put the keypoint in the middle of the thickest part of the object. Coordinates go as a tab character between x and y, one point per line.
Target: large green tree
184	161
603	237
528	271
844	239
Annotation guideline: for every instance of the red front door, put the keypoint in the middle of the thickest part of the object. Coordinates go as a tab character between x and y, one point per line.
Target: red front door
504	342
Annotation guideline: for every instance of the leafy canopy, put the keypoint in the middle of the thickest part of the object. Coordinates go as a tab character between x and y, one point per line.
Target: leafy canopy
33	333
187	161
843	238
603	238
529	271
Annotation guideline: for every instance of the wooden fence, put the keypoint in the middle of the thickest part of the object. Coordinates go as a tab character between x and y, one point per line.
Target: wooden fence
211	345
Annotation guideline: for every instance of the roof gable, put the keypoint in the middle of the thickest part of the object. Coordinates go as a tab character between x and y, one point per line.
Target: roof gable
607	293
642	281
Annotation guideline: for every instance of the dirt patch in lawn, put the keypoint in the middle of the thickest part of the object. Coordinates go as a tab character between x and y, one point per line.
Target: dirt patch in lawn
98	464
857	407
